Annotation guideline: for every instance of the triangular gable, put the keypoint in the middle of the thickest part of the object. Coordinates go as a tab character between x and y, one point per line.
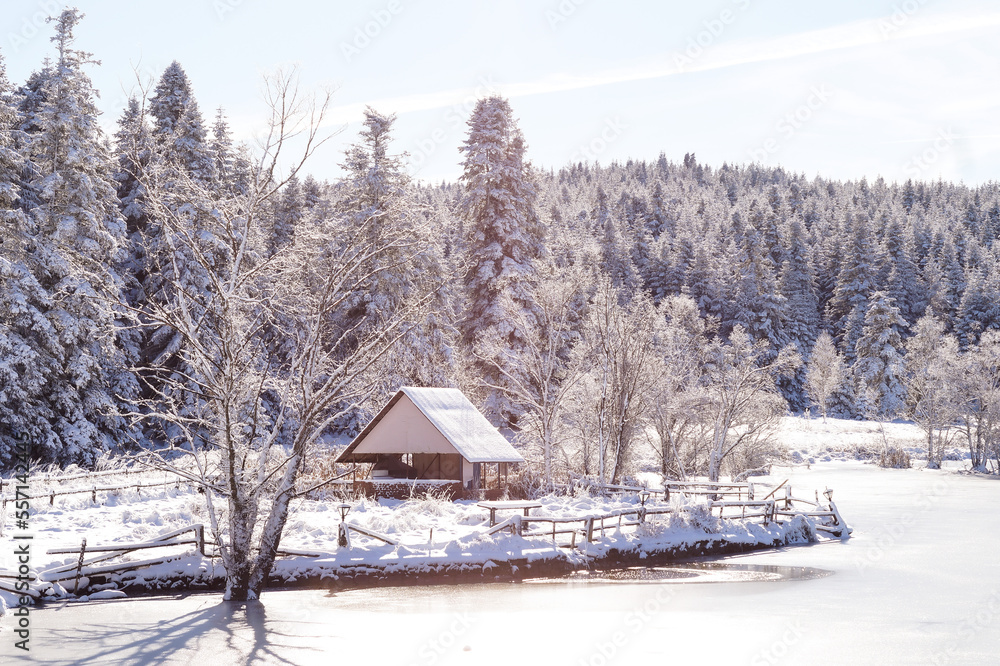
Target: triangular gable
451	414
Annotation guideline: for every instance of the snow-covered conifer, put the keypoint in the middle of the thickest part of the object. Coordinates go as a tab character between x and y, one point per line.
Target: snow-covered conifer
504	239
878	364
81	233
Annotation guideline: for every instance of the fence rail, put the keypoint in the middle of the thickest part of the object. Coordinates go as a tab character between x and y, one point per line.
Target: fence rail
768	510
93	490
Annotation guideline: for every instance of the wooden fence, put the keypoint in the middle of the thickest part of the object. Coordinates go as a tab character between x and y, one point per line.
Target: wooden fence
770	509
51	495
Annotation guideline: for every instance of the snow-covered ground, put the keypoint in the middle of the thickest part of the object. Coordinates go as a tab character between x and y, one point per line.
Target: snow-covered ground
818	440
430	532
918	582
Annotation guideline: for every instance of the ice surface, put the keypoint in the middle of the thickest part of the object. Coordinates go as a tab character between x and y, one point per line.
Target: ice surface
918	582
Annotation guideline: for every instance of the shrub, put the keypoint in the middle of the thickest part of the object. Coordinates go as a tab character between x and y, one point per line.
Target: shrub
895	458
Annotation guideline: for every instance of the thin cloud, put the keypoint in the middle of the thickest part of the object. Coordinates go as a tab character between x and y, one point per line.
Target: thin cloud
715	56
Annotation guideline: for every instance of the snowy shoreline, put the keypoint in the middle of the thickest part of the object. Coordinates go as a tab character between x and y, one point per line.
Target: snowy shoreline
434	541
522	560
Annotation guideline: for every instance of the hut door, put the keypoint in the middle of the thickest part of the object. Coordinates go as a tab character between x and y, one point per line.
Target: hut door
476	472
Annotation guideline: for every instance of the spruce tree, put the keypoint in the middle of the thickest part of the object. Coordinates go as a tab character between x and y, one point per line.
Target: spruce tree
178	127
504	239
29	344
856	279
878	365
81	232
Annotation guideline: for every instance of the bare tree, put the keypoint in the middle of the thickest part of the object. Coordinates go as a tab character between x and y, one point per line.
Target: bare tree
539	375
933	381
979	411
824	372
676	413
621	350
744	402
266	368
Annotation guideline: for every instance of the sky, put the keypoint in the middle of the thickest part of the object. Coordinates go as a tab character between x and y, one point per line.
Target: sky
847	89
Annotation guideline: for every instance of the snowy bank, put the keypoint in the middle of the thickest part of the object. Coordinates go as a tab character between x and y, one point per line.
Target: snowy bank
432	541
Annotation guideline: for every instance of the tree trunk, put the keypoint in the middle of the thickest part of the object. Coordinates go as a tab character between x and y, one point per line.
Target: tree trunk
270	538
238	566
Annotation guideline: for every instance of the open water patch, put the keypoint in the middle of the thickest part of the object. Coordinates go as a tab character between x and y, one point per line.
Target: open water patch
690	572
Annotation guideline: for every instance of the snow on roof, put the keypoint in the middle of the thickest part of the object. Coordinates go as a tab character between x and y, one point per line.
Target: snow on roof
457	419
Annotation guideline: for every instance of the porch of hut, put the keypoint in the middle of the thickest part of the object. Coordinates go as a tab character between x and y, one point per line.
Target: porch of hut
431	439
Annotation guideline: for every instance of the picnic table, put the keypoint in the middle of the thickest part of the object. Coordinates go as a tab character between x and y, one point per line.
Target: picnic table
493	506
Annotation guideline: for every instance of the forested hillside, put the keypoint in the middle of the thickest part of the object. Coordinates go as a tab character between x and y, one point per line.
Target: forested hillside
592	310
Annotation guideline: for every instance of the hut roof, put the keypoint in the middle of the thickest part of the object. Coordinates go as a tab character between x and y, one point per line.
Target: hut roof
457	419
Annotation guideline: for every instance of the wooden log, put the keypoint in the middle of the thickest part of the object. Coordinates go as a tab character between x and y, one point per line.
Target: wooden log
124	550
113	568
121	549
12	588
373	534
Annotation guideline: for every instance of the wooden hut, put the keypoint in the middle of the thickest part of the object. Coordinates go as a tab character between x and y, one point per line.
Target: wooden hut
431	438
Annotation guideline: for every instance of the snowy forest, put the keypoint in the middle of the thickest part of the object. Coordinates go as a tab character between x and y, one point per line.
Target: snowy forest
169	286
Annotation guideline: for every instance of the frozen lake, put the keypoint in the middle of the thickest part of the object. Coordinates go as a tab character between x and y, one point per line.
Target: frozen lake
918	583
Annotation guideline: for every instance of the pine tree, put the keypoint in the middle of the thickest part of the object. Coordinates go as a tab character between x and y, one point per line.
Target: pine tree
901	273
81	232
29	344
702	283
798	286
230	164
757	304
878	365
856	279
616	261
376	205
979	309
178	127
289	213
504	239
133	148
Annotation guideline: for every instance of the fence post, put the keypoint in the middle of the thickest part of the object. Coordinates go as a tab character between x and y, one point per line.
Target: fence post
788	498
343	536
199	537
589	526
838	520
750	491
79	567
